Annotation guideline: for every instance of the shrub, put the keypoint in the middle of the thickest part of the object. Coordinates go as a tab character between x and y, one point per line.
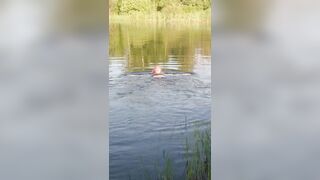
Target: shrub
135	6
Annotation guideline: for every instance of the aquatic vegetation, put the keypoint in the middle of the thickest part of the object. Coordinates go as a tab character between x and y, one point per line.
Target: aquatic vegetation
165	172
198	160
198	156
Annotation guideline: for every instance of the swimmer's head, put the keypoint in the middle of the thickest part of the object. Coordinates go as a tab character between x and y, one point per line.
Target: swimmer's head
156	70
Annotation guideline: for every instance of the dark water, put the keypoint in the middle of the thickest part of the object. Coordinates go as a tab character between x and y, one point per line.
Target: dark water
151	115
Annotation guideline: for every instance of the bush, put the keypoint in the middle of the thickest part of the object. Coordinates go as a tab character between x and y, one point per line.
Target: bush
172	8
197	4
134	6
166	7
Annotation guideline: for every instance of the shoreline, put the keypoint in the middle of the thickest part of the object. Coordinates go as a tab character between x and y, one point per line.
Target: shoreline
186	18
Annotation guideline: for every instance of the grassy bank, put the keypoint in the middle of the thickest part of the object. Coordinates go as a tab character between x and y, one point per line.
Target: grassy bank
160	10
203	17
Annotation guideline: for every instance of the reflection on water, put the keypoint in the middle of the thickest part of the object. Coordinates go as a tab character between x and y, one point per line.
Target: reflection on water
150	115
174	46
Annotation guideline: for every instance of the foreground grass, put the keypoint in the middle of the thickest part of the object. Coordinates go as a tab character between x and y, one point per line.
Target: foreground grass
197	156
166	172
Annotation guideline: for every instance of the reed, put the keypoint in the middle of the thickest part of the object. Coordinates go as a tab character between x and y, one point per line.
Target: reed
198	156
198	160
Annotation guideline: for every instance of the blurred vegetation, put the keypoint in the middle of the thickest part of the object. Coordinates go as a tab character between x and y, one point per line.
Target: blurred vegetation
77	15
246	15
159	8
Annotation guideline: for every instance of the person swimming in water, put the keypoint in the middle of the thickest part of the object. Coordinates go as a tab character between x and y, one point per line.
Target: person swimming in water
157	71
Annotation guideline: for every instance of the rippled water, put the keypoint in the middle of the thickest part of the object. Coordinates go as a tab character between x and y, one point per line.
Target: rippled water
151	115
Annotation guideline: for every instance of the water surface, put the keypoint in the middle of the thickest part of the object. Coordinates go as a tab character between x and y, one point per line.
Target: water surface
151	115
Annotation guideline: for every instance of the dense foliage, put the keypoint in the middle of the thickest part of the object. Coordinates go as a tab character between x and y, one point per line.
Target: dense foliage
122	7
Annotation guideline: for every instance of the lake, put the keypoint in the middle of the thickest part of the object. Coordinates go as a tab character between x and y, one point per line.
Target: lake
150	116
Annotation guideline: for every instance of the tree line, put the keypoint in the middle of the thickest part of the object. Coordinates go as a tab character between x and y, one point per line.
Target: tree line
127	7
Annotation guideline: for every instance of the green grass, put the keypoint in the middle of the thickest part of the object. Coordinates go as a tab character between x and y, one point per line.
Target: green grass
166	172
197	156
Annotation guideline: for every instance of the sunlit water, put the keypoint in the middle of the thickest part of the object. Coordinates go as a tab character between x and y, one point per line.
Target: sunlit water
151	115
